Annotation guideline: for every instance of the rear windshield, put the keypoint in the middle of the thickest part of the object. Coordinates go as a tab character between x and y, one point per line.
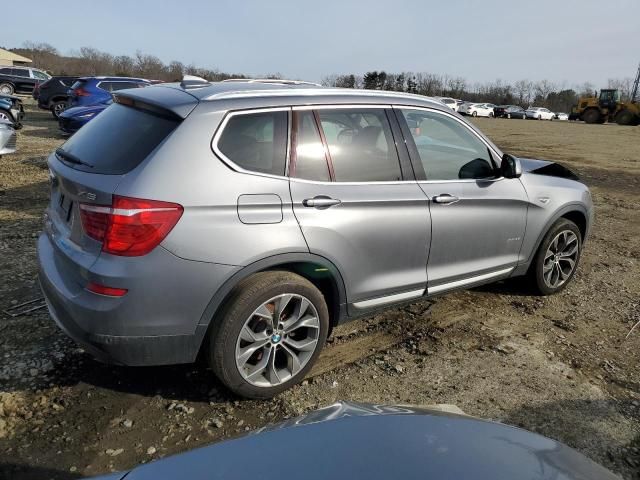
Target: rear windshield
117	140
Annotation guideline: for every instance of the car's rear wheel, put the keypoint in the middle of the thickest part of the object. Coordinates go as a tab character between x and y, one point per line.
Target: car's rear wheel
474	114
57	108
508	115
557	258
269	334
6	89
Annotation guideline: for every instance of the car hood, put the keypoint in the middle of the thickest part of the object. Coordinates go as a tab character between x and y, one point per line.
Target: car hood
75	111
546	167
10	97
356	441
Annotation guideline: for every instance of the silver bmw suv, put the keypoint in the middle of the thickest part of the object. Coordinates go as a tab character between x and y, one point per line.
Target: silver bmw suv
243	220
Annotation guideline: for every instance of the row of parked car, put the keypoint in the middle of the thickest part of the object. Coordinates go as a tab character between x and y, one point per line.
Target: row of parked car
501	111
74	100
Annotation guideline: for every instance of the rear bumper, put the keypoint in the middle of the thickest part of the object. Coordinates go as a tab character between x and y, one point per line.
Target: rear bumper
148	326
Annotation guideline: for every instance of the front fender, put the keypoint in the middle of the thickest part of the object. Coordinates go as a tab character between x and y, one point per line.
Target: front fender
532	244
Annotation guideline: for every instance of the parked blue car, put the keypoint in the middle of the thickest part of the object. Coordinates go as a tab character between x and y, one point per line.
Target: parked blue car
73	118
94	90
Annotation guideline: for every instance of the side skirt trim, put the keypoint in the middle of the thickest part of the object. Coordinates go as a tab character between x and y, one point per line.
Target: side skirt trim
398	297
468	281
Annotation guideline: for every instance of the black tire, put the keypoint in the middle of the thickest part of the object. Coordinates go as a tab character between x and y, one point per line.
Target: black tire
243	301
625	117
536	270
490	114
57	108
591	116
7	89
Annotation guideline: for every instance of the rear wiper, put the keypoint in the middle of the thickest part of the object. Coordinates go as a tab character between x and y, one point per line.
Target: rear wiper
69	157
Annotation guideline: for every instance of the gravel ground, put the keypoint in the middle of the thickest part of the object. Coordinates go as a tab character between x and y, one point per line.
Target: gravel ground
559	365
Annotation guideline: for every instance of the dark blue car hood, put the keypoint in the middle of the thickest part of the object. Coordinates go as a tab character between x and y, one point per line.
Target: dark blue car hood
353	441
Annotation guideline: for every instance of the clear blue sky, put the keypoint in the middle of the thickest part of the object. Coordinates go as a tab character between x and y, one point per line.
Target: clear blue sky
570	41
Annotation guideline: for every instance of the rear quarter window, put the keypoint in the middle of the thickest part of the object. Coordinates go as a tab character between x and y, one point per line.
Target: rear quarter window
256	141
118	139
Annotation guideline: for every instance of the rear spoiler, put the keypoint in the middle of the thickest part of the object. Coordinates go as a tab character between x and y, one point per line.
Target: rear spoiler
159	99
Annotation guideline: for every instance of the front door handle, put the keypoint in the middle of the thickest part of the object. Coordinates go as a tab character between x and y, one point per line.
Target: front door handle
445	198
321	202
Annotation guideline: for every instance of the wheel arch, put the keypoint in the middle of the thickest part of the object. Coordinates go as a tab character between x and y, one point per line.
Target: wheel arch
315	268
576	212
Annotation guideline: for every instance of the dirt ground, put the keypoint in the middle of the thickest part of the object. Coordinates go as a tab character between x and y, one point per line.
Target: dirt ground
559	365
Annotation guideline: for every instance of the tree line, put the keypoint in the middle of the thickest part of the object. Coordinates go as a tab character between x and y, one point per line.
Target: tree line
89	61
543	93
525	93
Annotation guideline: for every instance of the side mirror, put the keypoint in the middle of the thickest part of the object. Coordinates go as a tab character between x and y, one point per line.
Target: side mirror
510	166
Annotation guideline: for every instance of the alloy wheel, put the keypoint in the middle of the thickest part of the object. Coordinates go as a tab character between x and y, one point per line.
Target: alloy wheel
58	108
5	116
560	259
277	340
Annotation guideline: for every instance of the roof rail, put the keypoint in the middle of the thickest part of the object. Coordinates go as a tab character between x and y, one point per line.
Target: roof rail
191	81
272	80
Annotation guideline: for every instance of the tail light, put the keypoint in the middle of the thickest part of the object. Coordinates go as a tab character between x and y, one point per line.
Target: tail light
130	227
81	92
104	290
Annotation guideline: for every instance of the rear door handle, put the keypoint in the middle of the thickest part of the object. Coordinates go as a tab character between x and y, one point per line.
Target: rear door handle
321	202
445	198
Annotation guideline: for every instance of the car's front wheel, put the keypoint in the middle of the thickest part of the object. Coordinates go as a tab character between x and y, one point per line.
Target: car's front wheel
557	258
269	334
6	116
474	114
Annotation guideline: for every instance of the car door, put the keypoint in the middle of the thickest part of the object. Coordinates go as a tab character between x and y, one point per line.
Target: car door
478	217
357	202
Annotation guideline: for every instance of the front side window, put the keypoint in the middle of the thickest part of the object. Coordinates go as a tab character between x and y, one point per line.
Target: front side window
361	146
448	150
40	75
256	141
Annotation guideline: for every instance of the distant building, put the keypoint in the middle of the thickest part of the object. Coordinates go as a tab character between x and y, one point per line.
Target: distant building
10	58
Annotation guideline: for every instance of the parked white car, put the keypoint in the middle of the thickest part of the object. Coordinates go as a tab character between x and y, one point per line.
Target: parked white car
539	113
562	116
477	109
449	102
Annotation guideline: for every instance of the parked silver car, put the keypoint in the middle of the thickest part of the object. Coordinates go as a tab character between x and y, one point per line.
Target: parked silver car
8	137
246	219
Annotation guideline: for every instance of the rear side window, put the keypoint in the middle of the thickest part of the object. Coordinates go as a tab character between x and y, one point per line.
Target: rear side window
118	140
361	146
256	141
310	159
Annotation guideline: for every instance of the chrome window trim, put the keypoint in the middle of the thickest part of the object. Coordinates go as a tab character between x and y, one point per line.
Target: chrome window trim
234	166
461	122
340	106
